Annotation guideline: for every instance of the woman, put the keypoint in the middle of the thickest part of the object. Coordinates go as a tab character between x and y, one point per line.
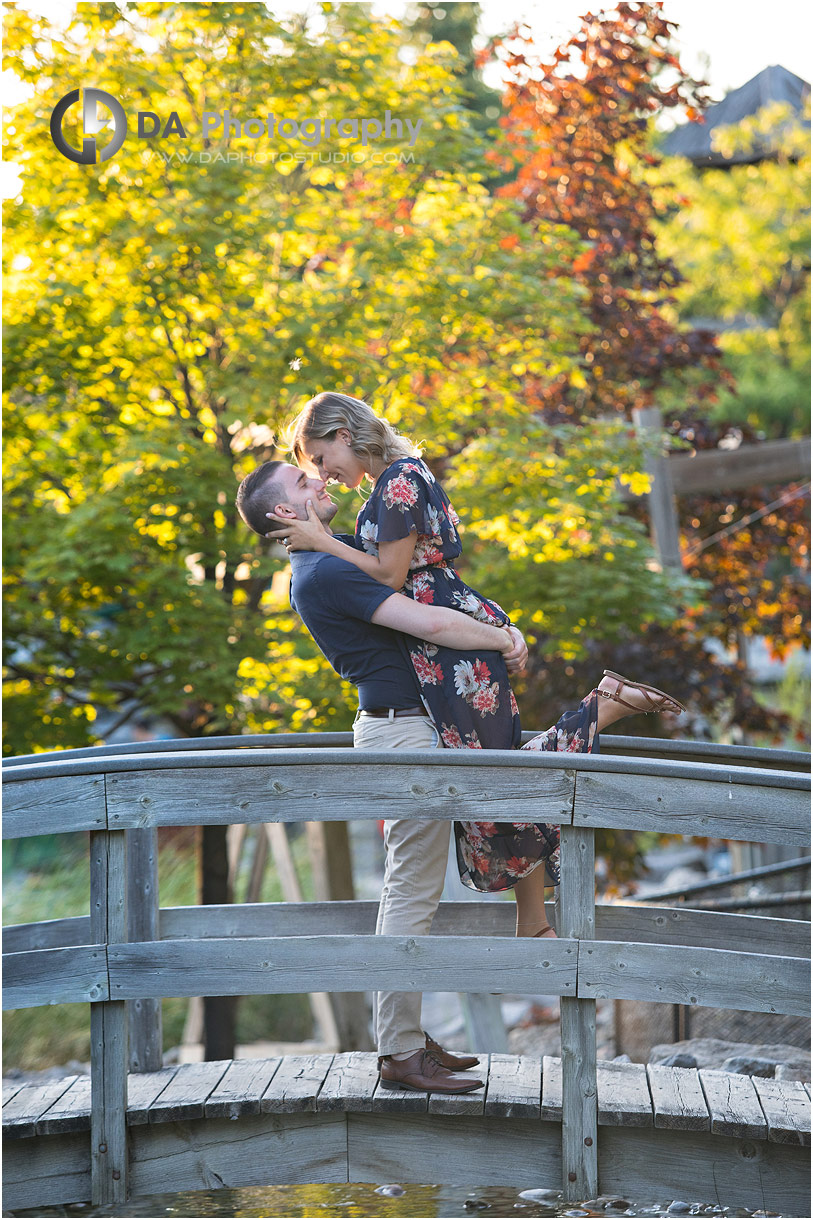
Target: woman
406	537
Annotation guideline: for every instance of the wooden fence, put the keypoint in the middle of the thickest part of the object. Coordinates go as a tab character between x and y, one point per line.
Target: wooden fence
613	952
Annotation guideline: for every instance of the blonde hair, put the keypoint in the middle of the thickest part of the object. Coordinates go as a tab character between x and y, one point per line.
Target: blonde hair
370	436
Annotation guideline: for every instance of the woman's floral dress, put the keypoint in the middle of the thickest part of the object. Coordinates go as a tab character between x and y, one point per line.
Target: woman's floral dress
469	697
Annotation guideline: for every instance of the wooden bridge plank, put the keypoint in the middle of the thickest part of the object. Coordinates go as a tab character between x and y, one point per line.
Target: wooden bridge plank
295	1084
47	934
252	965
42	806
20	1115
350	1082
185	1094
453	1150
683	805
647	1163
273	789
77	975
142	1090
786	1107
70	1112
551	1100
682	974
240	1090
463	1103
258	1150
39	1172
514	1086
399	1101
635	922
702	929
733	1105
623	1095
10	1088
678	1098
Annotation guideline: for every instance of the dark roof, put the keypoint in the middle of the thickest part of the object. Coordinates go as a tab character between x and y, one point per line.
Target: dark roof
693	140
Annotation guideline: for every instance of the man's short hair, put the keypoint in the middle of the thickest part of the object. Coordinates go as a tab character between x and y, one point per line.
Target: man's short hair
257	495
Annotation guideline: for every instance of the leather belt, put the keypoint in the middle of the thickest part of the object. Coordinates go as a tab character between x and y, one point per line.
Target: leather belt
385	713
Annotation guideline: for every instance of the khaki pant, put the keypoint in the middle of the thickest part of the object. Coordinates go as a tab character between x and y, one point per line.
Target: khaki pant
413	878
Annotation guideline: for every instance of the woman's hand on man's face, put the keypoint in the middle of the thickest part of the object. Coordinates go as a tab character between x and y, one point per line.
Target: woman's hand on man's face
517	656
296	534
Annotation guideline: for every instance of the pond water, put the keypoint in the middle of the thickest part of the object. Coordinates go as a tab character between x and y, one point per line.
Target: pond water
390	1200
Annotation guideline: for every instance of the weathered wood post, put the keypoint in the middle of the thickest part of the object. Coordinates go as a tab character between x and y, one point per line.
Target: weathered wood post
145	1027
577	913
332	866
108	1025
661	499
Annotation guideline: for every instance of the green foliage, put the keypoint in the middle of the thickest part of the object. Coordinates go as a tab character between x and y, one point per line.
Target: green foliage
548	525
457	24
164	315
741	238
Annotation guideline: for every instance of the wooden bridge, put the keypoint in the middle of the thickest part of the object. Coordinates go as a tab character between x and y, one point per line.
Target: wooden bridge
572	1123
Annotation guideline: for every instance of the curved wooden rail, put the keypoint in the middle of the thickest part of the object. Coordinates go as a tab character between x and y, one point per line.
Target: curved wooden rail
642	953
626	747
133	791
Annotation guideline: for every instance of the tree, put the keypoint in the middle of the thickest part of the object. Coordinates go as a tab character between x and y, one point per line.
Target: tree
457	24
579	136
742	236
742	239
547	524
578	139
166	310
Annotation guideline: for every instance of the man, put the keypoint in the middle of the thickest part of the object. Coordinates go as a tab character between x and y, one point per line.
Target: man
357	623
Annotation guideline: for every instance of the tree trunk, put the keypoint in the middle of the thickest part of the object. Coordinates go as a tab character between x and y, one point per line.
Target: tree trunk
219	1012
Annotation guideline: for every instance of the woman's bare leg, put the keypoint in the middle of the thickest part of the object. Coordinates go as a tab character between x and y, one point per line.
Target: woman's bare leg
532	919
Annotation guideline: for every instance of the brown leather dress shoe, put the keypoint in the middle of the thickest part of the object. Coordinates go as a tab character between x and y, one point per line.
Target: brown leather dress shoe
423	1073
455	1063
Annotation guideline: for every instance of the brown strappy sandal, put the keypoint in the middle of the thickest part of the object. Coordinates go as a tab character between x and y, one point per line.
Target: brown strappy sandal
663	702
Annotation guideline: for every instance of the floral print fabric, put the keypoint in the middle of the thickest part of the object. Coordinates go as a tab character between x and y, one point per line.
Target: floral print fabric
468	695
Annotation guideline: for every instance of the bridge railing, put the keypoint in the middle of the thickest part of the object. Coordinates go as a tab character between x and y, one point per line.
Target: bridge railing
676	956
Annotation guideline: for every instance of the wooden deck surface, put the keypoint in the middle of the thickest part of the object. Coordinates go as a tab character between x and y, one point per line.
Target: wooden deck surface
629	1095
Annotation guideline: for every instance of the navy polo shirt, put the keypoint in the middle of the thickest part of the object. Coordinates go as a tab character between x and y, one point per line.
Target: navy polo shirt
336	602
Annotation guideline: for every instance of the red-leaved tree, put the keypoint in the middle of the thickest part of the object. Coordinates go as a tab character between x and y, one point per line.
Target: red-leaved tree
577	140
576	133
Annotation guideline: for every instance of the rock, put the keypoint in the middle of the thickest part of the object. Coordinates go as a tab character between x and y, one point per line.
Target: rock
678	1208
663	860
682	878
540	1194
621	1059
743	1065
680	1060
790	1071
713	1052
393	1190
